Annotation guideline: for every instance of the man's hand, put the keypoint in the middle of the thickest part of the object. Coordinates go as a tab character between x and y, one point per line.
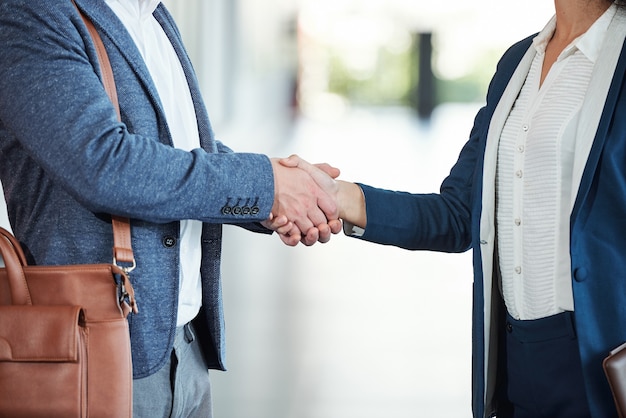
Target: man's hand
291	235
303	211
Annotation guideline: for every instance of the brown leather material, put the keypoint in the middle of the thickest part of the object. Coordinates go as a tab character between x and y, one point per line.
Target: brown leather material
66	351
39	333
615	369
19	289
105	64
16	247
43	359
122	248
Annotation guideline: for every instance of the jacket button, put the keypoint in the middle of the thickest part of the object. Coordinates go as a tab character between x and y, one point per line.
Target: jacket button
581	274
169	241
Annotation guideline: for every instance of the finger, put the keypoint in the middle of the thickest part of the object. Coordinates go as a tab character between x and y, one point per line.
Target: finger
316	172
316	215
290	240
329	207
324	233
268	222
311	237
294	231
286	229
280	224
322	173
305	223
278	221
291	161
325	183
335	226
291	237
328	169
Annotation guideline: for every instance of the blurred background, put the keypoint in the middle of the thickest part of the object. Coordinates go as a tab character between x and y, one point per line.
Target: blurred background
386	90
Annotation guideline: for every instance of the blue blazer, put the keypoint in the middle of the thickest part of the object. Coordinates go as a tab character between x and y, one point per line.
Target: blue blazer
66	163
454	221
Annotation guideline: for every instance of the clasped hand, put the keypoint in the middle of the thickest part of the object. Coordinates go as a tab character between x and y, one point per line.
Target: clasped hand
305	204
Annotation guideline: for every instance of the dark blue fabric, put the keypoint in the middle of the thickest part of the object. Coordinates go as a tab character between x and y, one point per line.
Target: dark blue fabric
544	373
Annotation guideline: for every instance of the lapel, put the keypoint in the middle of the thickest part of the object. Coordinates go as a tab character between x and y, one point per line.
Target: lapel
114	33
503	91
204	126
487	218
598	111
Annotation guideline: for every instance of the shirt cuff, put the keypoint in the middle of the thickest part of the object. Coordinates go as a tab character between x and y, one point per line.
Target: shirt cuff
352	230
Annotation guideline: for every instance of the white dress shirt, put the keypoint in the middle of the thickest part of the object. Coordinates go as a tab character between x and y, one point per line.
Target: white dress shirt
534	176
171	84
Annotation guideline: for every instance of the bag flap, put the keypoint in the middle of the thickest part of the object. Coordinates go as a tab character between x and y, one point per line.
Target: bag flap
39	333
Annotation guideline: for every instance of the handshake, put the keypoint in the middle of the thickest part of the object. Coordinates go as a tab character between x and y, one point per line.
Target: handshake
309	202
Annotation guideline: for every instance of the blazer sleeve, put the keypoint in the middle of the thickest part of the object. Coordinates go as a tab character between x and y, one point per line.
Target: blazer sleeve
57	124
438	222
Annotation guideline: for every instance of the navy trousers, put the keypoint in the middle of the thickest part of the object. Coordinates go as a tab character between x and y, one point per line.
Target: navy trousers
543	374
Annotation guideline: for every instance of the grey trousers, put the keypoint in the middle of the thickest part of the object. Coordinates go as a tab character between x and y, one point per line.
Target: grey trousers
181	389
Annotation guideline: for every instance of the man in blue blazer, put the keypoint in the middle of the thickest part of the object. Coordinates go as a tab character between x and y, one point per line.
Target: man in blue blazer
514	372
67	164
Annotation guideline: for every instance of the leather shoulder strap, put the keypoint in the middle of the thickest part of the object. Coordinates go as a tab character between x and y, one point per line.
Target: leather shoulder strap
122	247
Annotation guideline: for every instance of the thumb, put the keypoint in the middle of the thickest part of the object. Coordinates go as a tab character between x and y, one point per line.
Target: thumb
291	161
329	169
323	179
320	172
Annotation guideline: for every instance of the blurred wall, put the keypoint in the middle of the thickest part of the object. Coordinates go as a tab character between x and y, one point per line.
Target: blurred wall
4	219
244	53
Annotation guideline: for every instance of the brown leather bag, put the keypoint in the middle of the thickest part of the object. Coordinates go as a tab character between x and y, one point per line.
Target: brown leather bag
64	339
615	369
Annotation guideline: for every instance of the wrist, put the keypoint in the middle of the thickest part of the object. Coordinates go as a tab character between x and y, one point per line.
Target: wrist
351	203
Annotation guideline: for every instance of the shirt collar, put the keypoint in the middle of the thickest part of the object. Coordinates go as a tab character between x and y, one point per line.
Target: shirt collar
589	43
140	9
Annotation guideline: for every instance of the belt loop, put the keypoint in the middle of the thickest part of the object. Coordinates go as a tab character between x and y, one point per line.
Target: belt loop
571	322
189	334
